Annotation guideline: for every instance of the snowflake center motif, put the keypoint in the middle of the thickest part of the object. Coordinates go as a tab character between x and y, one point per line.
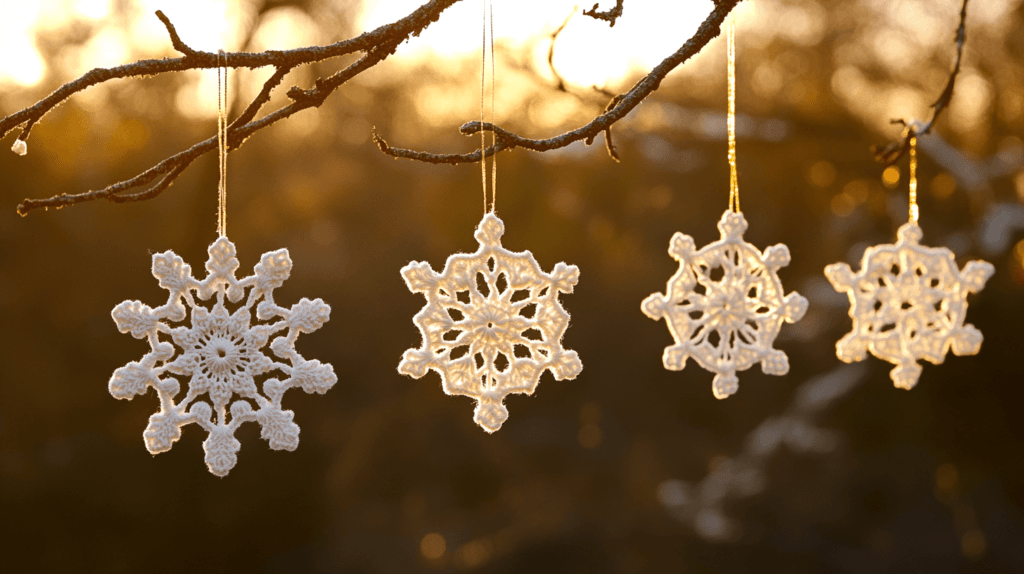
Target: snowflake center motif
221	353
492	324
725	305
908	302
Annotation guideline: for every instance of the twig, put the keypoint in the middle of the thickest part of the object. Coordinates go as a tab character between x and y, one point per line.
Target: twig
891	153
173	33
619	108
610	15
551	51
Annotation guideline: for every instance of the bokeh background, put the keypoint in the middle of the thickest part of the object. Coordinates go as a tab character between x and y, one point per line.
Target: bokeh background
628	468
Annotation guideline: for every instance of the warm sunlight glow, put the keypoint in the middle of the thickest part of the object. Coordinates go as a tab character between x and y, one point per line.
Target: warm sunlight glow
588	52
21	63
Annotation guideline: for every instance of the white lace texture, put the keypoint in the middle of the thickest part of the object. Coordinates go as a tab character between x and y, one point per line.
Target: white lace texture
725	305
221	353
492	323
908	302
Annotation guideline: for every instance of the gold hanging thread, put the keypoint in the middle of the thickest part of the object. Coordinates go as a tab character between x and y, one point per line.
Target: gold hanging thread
222	143
734	186
488	22
915	212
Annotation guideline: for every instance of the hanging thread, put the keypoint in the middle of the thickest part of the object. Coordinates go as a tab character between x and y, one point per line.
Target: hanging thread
222	143
915	212
488	22
734	186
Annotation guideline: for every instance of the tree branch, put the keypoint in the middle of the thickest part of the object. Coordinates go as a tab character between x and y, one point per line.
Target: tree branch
617	109
610	15
376	45
891	153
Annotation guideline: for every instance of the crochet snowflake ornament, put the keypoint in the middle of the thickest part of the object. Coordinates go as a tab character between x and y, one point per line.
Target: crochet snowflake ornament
492	323
908	302
725	305
221	353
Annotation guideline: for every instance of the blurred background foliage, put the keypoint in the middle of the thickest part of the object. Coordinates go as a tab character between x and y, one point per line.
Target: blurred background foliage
629	468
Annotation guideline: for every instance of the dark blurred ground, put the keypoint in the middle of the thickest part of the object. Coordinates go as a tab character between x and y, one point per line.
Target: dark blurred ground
607	473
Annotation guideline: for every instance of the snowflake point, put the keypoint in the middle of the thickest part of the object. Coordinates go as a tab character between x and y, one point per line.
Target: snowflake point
732	225
905	376
966	341
490	230
490	415
724	385
776	257
794	307
909	233
840	275
681	246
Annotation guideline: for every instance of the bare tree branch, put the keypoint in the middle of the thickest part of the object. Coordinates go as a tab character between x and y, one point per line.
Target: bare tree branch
618	108
376	45
610	15
891	153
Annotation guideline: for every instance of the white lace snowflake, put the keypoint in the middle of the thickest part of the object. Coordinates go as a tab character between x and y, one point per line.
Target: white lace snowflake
908	302
492	323
725	305
221	353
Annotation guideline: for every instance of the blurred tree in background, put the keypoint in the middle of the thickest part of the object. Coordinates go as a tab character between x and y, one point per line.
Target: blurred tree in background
629	468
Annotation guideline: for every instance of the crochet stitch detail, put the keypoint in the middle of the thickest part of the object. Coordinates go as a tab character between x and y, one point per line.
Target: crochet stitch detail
492	323
725	305
908	302
221	353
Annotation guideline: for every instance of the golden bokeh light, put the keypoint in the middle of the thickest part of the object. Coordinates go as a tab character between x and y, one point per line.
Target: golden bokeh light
842	204
891	176
821	174
943	185
433	546
858	190
972	544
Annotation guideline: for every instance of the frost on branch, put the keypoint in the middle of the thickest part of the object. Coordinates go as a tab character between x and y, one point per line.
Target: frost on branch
492	323
221	353
908	302
725	305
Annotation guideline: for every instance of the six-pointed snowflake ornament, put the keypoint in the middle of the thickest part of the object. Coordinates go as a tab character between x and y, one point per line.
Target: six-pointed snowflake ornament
492	323
725	305
907	303
221	353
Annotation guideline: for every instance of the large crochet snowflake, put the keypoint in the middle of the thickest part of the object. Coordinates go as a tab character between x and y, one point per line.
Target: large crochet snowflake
725	305
907	303
221	353
492	323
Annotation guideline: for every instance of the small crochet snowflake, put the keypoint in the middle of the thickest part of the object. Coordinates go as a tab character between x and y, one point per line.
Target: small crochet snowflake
908	302
492	323
221	353
725	305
